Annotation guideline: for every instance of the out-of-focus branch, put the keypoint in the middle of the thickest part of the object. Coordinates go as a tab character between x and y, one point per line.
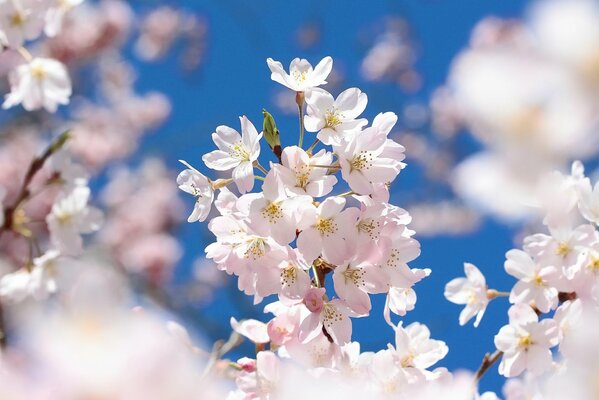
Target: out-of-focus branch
488	361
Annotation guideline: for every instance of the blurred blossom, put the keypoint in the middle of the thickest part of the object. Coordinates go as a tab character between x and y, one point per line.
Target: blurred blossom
142	244
392	57
531	109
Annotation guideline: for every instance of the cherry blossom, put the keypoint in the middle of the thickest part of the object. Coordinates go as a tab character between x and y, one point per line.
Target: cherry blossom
526	342
370	158
299	176
20	20
236	152
195	183
334	118
326	230
535	285
471	291
301	77
37	282
71	216
40	83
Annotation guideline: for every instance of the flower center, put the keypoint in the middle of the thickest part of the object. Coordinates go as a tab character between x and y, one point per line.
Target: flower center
594	265
525	341
17	19
361	161
354	275
299	77
330	315
562	249
288	275
239	152
38	72
272	212
255	249
326	227
368	226
332	118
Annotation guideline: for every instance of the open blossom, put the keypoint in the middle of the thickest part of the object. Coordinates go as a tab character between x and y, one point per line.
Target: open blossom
326	230
369	158
70	217
274	213
334	118
526	342
535	285
354	280
236	152
40	83
20	20
415	349
37	282
195	183
300	176
471	291
301	77
251	329
332	315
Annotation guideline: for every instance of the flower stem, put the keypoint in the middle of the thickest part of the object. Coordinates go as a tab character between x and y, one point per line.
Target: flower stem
299	100
261	168
492	293
25	54
488	361
309	151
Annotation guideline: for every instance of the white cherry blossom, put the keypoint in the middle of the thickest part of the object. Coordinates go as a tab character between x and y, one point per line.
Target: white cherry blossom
236	152
301	77
40	83
471	291
195	183
334	118
526	342
72	216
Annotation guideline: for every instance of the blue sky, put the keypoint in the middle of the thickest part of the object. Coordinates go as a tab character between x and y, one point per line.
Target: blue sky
234	80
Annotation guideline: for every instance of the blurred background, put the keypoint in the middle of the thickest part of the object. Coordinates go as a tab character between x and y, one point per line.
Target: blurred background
490	96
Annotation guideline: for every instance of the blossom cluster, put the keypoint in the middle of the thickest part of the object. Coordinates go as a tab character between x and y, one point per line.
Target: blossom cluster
555	298
526	90
295	232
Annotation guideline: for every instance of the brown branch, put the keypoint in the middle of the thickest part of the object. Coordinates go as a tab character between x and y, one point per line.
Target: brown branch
35	166
488	361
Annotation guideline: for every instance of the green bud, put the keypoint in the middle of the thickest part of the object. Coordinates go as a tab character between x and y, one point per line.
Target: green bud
271	134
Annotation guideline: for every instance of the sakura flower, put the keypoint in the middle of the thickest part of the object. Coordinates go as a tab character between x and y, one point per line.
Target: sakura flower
535	281
334	118
195	183
471	291
355	279
56	13
251	329
70	217
299	175
261	383
301	77
387	378
38	281
236	152
569	317
295	280
332	315
325	232
526	342
20	20
273	213
42	82
415	349
370	158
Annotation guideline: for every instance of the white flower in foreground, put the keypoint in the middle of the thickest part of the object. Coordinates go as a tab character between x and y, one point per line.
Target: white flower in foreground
415	349
70	217
332	118
41	83
301	76
236	152
471	291
195	183
20	20
526	342
534	285
56	13
37	282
